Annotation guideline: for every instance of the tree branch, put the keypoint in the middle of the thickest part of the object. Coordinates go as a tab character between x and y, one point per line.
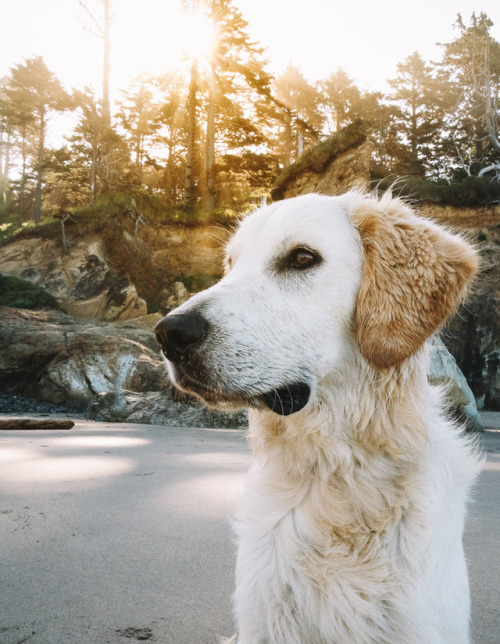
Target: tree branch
100	30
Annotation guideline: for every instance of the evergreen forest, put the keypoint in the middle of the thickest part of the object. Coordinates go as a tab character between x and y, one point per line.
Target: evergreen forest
210	143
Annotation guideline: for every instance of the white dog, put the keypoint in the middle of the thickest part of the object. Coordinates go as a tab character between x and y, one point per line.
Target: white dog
350	529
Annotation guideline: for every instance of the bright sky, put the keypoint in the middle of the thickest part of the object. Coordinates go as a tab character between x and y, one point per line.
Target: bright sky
367	39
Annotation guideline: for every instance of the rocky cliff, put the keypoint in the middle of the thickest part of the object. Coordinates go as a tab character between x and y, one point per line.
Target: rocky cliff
332	167
120	272
473	335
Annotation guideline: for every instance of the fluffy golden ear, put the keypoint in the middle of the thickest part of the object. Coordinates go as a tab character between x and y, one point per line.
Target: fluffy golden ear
414	275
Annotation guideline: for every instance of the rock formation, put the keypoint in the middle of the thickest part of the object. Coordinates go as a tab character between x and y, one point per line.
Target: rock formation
444	372
82	281
161	408
53	357
473	335
114	371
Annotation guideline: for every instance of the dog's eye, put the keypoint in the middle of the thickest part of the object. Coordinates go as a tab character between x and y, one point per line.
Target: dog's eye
301	258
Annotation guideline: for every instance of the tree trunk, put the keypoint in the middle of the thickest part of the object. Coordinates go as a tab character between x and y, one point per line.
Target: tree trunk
190	183
300	141
211	142
288	139
22	184
2	156
4	169
93	173
414	133
170	188
139	158
39	170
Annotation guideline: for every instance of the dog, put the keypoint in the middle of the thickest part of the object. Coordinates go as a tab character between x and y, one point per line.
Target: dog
350	527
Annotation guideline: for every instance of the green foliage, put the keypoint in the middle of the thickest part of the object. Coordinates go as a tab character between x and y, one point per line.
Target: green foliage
419	117
48	228
18	293
7	231
31	93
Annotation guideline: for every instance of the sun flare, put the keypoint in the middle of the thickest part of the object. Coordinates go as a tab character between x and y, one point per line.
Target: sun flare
169	41
197	35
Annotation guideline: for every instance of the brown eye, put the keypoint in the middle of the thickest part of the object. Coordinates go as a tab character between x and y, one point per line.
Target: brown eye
302	258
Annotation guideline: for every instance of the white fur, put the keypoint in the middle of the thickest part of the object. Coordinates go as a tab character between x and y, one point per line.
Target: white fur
350	527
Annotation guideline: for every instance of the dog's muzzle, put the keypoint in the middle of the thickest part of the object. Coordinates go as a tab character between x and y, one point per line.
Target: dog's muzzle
181	337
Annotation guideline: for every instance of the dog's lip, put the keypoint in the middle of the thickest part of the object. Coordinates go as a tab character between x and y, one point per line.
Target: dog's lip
288	399
213	395
283	400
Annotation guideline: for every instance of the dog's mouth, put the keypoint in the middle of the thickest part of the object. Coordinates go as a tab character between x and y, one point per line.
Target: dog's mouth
284	400
288	399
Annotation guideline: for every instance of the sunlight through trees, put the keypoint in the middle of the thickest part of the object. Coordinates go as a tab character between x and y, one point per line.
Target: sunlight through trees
213	134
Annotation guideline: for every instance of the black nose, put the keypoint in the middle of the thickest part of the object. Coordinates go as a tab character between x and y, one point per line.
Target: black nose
179	333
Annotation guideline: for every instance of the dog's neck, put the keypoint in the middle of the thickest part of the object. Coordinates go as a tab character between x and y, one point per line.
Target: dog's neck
374	439
377	413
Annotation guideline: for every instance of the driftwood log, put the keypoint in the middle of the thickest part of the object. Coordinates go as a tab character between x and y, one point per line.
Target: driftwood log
35	423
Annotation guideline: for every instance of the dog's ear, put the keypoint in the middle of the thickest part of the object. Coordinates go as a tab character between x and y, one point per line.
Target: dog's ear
413	277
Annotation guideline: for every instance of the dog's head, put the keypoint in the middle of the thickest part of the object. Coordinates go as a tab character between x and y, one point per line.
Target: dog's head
309	281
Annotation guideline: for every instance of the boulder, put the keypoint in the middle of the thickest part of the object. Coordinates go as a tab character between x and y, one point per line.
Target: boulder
176	297
473	336
444	372
113	371
56	358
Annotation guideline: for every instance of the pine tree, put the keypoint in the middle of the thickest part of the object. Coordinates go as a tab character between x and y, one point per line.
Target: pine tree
32	93
7	136
302	119
225	102
171	135
138	116
87	142
416	94
340	101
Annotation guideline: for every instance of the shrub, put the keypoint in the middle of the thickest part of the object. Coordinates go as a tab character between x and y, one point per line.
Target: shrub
18	293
